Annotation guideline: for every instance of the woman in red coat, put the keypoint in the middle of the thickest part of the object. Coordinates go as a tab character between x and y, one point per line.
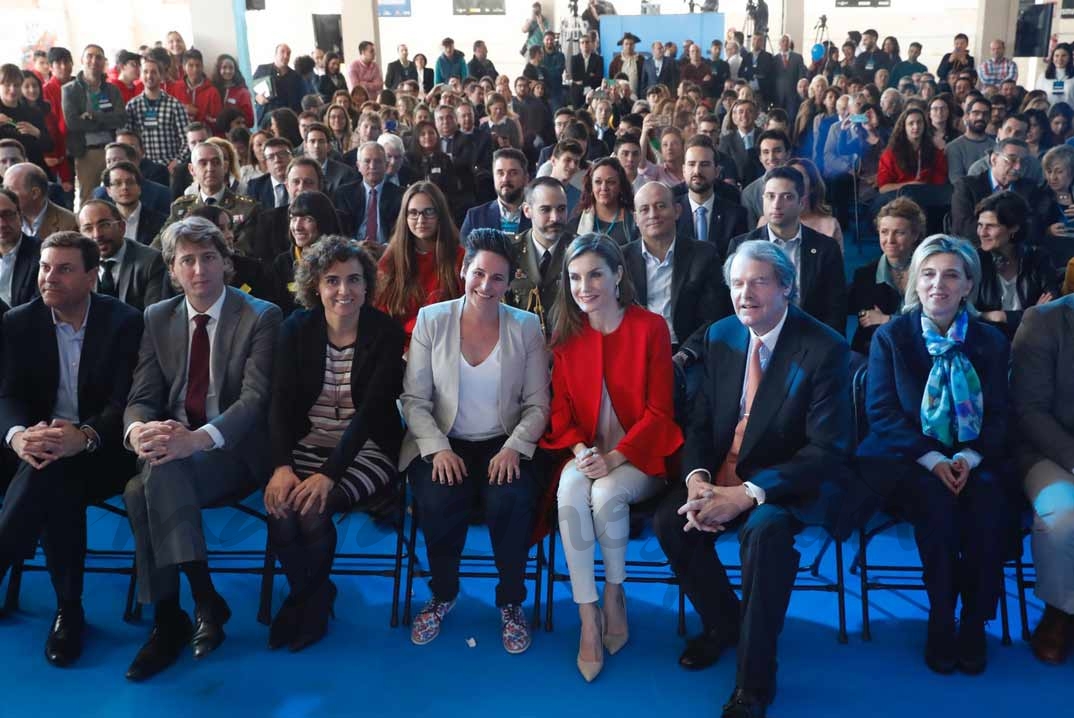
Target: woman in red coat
612	406
911	157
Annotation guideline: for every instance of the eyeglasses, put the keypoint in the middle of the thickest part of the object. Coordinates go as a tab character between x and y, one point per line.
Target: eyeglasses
1012	160
427	213
273	156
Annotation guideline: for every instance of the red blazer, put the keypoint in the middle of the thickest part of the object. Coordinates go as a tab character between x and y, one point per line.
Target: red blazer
635	363
889	172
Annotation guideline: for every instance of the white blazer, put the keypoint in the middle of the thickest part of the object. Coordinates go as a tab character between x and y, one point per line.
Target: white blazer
431	386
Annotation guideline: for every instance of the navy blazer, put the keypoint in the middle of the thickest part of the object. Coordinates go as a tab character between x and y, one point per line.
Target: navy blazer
24	273
260	189
726	221
899	366
797	443
155	196
488	216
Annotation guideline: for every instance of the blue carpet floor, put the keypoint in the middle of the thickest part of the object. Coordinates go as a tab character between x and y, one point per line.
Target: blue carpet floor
364	667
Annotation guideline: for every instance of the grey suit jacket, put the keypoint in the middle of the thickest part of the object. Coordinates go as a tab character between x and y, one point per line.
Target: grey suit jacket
241	367
1042	385
431	386
141	276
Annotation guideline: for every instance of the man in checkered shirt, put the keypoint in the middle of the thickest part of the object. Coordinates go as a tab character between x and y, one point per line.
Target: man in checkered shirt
158	117
997	68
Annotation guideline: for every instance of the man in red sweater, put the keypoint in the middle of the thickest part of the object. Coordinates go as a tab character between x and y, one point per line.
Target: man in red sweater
201	99
62	65
128	71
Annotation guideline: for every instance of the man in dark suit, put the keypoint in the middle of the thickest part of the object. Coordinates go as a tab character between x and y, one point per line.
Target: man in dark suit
200	434
19	254
123	183
269	234
129	272
587	71
741	144
759	69
769	429
1005	173
790	68
659	70
286	86
61	405
371	205
673	276
462	150
704	214
151	171
510	173
270	189
539	251
336	174
816	257
872	58
1042	392
157	197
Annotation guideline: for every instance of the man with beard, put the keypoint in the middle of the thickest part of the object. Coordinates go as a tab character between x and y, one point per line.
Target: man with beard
705	214
123	183
130	272
510	173
539	251
974	143
675	277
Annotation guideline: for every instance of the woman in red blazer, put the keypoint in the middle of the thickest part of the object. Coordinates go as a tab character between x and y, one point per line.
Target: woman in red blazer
612	406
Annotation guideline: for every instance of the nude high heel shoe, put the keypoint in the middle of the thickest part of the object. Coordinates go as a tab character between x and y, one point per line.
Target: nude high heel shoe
614	642
591	669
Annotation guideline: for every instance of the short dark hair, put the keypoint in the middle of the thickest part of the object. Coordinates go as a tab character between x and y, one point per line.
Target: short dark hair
319	127
567	147
306	162
132	154
59	54
133	133
318	206
113	211
703	141
364	45
962	36
196	127
278	142
484	239
91	256
787	173
627	138
193	54
546	181
12	142
10	194
106	175
319	257
510	153
774	135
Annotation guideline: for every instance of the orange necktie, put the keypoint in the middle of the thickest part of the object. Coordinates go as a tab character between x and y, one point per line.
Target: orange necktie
726	476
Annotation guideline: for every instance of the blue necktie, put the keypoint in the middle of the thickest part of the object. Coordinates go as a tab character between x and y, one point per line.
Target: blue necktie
701	224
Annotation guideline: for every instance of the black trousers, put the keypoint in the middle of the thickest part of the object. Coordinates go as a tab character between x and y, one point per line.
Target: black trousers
306	545
444	512
960	538
769	565
50	503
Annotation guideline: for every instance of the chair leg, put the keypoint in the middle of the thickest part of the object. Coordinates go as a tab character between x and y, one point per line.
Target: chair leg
397	573
814	568
841	591
538	574
132	611
550	595
682	611
863	572
14	585
409	590
268	573
1020	577
1005	620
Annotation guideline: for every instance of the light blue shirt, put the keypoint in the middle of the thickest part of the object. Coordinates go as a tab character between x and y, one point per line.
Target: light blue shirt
69	344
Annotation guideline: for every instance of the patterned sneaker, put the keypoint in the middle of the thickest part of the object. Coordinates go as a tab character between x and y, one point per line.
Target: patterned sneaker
426	625
516	629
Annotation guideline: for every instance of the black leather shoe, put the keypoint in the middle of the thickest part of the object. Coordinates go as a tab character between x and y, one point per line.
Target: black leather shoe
64	644
972	648
940	653
744	704
209	619
170	636
284	626
315	612
704	650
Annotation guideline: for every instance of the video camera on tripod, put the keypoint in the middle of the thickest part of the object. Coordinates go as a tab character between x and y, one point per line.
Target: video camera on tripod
757	11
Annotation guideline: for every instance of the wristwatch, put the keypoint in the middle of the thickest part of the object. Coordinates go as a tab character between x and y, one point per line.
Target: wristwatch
91	438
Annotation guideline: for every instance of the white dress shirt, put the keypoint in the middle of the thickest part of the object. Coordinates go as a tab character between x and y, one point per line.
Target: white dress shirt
7	272
131	232
793	248
658	274
31	227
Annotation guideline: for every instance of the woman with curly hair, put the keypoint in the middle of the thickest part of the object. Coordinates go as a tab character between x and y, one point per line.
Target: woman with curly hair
607	203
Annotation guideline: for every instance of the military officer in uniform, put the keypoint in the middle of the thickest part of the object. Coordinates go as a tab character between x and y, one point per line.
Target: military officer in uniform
539	250
207	166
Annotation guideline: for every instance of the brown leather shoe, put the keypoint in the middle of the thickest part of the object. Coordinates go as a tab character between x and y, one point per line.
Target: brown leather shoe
1051	641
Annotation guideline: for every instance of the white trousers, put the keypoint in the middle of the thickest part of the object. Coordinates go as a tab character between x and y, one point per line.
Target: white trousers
592	511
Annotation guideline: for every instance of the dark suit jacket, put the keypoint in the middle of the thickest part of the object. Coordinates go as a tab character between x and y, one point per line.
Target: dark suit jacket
241	359
154	172
24	274
698	295
760	66
822	291
866	293
149	225
668	75
376	383
747	162
970	190
338	174
899	366
32	375
798	439
726	221
260	189
269	233
350	203
141	276
487	215
589	74
787	77
1042	385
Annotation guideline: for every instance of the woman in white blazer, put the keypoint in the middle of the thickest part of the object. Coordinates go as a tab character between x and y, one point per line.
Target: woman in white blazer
475	399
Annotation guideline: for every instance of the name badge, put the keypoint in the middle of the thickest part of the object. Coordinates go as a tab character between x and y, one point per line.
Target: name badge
232	101
870	65
105	104
1058	87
